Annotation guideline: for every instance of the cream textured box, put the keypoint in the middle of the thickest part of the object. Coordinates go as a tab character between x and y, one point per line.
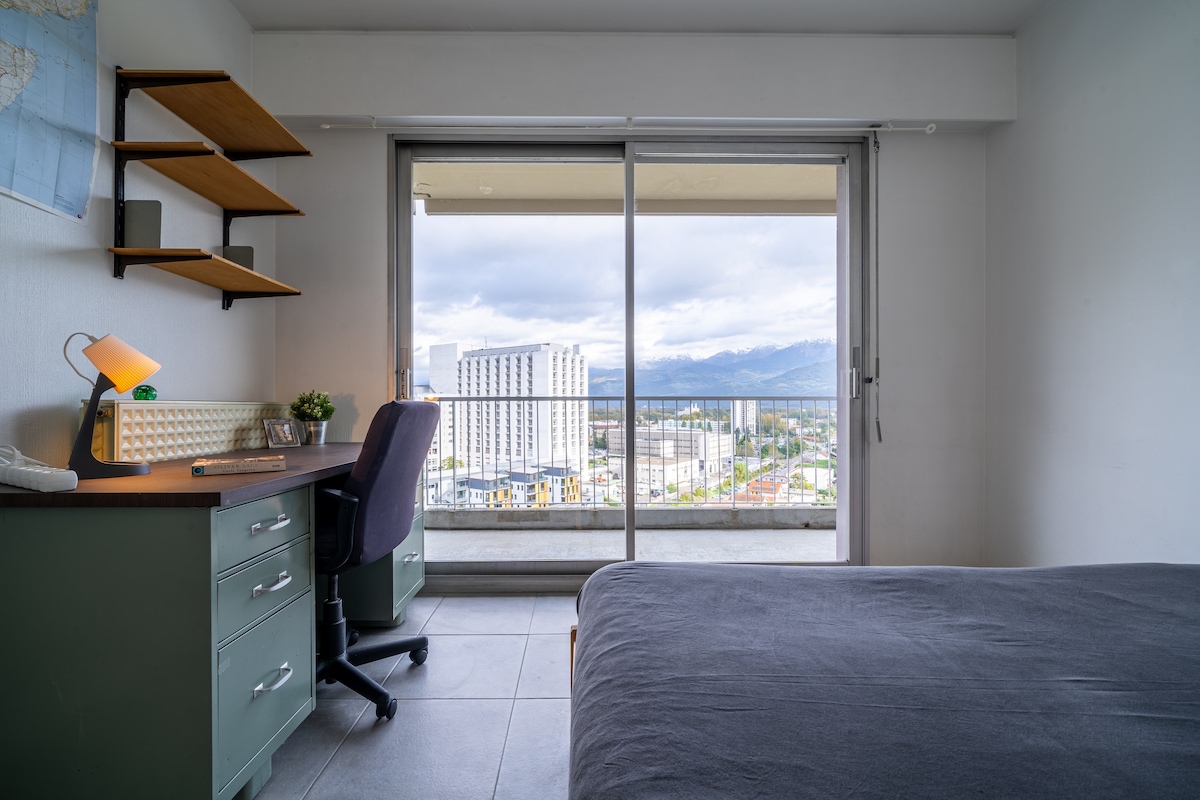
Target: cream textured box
145	431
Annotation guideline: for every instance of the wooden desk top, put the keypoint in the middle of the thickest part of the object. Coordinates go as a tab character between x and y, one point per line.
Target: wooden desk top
171	484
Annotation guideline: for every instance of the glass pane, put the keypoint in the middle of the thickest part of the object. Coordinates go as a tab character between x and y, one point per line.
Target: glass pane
734	447
518	301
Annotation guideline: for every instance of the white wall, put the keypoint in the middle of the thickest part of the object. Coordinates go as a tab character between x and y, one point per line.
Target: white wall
1093	277
56	276
927	475
605	75
927	478
335	337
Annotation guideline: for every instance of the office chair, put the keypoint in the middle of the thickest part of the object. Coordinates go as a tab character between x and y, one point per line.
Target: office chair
363	521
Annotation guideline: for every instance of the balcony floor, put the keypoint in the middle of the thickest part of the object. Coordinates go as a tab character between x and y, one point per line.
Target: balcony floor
754	544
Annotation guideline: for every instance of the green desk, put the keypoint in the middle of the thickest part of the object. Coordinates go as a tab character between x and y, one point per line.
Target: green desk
158	629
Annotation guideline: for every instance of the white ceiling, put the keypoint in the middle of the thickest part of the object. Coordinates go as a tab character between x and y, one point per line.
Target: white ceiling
939	17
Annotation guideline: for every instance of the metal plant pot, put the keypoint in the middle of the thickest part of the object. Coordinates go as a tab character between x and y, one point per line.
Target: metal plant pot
314	431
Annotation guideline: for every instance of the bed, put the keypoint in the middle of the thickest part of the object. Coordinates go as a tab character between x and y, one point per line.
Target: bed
736	681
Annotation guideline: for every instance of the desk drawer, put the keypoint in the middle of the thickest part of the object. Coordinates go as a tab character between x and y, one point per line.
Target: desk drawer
264	678
256	591
250	529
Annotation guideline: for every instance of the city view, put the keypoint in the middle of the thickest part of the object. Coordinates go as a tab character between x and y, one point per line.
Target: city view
523	428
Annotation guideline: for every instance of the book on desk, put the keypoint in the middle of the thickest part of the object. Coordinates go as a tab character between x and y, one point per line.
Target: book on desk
233	466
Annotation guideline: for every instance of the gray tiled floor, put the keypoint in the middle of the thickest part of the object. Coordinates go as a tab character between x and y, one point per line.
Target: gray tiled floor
485	717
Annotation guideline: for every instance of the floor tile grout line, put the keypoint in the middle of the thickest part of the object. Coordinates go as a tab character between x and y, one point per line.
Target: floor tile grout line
512	709
436	606
332	755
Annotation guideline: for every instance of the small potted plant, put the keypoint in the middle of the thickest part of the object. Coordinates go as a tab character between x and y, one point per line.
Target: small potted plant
313	409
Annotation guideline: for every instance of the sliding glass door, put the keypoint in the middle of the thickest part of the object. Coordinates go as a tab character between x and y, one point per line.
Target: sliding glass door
736	344
641	349
517	282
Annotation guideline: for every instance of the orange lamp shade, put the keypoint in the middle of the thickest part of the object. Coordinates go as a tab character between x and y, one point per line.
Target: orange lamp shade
120	363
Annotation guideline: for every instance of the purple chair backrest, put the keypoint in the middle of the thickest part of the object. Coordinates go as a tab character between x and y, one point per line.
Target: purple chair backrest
385	477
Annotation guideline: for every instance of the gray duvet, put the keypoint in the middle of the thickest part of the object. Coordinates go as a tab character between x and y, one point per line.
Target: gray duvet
720	681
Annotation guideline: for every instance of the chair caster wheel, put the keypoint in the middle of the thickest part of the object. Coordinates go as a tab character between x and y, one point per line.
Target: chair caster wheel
351	638
386	710
418	656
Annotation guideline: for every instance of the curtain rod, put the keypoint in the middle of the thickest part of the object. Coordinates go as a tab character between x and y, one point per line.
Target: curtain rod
630	125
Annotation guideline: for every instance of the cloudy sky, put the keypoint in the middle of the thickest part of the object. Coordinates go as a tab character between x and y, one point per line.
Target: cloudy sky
704	284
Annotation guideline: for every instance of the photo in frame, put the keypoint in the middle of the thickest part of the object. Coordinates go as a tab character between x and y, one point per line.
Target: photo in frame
282	432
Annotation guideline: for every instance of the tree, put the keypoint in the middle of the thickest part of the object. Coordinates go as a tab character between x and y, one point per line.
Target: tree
450	462
800	482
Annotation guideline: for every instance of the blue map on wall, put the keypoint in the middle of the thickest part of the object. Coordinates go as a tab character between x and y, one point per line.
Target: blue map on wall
48	103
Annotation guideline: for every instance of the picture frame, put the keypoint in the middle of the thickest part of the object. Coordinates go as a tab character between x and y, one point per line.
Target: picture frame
282	433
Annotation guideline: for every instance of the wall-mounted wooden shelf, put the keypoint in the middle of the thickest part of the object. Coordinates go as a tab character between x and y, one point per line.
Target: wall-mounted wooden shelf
222	111
234	280
209	174
217	106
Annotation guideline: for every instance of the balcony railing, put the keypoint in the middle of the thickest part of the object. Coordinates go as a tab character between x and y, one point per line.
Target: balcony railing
584	452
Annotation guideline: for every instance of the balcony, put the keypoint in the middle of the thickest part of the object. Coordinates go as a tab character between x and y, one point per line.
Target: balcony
712	478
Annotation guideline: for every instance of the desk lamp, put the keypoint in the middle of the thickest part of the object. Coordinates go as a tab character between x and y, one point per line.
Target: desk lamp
121	368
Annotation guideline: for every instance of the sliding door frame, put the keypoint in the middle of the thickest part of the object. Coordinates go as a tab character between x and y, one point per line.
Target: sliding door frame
849	153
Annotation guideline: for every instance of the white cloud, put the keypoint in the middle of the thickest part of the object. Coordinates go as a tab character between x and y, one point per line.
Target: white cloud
704	284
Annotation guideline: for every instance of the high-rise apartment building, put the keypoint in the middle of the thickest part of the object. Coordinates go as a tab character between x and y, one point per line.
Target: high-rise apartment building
745	416
525	425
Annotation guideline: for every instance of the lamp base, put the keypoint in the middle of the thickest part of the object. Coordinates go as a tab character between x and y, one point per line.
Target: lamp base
94	468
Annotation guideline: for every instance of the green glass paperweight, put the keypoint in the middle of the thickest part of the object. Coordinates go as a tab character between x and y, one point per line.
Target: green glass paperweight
144	392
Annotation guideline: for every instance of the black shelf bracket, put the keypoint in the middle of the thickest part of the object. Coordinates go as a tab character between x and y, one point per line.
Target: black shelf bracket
238	155
122	92
121	160
126	84
230	215
122	260
227	297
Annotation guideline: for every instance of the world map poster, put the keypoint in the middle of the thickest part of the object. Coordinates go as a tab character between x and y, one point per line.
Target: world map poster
48	144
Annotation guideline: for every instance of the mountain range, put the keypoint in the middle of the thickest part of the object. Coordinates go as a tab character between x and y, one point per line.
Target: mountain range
807	368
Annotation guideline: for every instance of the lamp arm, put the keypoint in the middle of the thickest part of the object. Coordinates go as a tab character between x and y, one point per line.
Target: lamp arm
83	463
82	452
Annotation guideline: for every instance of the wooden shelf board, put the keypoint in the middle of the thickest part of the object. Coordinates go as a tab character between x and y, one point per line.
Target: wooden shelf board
207	268
209	174
221	110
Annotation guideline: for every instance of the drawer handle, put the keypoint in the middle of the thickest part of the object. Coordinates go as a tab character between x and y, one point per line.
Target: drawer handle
411	557
284	580
285	673
281	521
